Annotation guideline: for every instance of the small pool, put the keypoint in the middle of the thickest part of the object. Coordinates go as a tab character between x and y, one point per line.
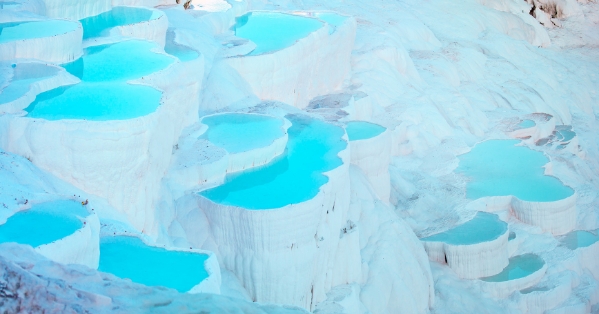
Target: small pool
129	257
34	29
238	132
525	124
534	289
183	53
25	74
362	130
272	31
579	238
511	236
43	223
333	19
100	25
500	168
519	267
482	228
294	177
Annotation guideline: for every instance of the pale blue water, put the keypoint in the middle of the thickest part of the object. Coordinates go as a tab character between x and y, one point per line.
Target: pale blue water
24	75
519	266
129	257
333	19
511	236
183	53
361	130
294	177
533	289
43	223
272	31
567	135
104	93
499	168
8	4
482	228
34	29
237	132
579	238
100	25
525	124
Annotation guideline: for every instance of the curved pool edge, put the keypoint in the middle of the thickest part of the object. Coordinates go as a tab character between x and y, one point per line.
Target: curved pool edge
502	289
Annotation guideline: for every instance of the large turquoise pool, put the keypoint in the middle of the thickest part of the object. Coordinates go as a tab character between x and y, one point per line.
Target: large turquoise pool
579	238
519	267
294	177
100	25
362	130
272	31
104	93
43	223
34	29
130	257
239	132
500	168
482	228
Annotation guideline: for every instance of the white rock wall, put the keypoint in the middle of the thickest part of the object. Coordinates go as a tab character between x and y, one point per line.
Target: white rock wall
373	157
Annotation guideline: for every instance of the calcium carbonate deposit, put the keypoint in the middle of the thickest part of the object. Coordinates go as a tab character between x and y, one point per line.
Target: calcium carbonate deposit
305	156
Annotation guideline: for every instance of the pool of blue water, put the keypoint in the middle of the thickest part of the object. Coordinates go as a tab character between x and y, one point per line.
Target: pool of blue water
129	257
519	267
238	132
104	93
272	31
534	289
100	25
25	74
34	29
579	238
362	130
525	124
482	228
294	177
183	53
500	168
334	20
43	223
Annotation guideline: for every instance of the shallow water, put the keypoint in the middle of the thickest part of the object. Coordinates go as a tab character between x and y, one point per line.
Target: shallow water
519	266
183	53
500	168
534	289
130	257
361	130
237	132
100	25
294	177
525	124
25	74
482	228
272	31
43	223
34	29
579	238
334	20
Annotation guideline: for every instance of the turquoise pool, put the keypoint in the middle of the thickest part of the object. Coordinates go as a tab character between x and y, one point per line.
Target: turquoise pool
24	75
238	132
525	124
519	267
129	257
43	223
272	31
482	228
100	25
500	168
294	177
579	238
104	93
34	29
362	130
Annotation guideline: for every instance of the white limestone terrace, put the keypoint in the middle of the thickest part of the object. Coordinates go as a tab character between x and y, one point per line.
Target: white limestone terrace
298	62
522	272
63	231
474	249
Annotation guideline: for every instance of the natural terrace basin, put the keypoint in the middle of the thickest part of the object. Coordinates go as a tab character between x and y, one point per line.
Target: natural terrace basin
104	93
25	74
34	29
525	124
101	24
129	257
362	130
519	267
579	239
482	228
272	31
294	177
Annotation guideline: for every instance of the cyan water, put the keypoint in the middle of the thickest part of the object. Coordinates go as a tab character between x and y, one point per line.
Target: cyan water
238	132
34	29
294	177
272	31
130	257
482	228
334	20
25	74
43	223
100	25
183	53
525	124
579	238
104	93
519	267
362	130
500	168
